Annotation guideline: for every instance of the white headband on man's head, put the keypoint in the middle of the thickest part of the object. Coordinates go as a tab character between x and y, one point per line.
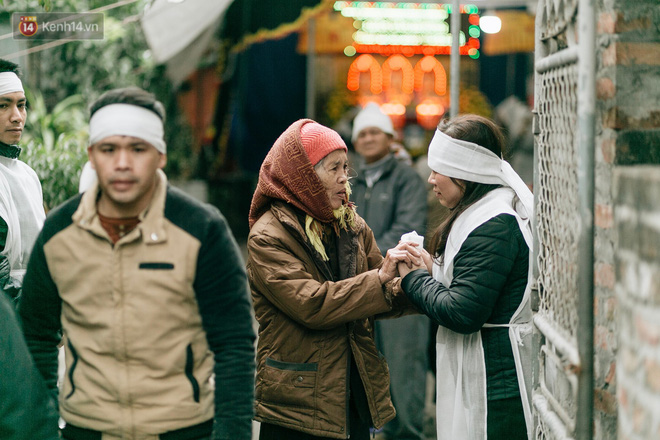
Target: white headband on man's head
468	161
127	120
10	83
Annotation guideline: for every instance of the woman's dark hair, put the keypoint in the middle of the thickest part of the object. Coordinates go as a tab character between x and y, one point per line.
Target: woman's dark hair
129	95
481	131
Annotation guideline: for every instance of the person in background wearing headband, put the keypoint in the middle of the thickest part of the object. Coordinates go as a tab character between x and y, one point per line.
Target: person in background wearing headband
391	197
87	177
318	280
476	284
21	200
149	289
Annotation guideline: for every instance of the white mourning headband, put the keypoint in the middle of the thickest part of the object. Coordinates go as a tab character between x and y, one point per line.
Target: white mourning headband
127	120
468	161
10	83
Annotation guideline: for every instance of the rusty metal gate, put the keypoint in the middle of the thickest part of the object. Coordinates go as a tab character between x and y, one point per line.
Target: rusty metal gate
563	190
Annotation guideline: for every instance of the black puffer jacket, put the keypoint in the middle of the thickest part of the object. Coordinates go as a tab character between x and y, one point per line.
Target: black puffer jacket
489	279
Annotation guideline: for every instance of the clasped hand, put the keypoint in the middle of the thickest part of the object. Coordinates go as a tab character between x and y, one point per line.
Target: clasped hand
403	259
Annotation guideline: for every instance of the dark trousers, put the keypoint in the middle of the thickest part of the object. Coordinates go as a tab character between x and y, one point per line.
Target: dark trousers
196	432
359	430
506	419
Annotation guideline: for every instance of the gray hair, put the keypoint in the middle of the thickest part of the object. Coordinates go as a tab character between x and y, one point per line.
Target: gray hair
319	164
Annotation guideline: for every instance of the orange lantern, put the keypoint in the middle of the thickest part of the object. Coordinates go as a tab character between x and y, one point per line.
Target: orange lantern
397	113
429	112
362	64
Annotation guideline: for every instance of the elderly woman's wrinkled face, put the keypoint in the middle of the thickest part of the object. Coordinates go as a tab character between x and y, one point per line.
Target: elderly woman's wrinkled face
333	172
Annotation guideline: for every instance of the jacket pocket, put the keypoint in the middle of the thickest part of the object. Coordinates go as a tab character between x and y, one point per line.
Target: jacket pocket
156	266
312	366
74	363
190	365
289	383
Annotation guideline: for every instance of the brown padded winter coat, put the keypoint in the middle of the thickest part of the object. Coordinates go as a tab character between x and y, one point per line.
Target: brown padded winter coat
310	326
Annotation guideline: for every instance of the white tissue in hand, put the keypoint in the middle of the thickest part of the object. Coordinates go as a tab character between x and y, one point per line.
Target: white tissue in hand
413	237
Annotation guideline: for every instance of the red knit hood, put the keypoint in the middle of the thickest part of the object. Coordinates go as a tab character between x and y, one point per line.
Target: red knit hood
287	174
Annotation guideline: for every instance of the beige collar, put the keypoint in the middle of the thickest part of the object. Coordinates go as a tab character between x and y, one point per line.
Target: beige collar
152	219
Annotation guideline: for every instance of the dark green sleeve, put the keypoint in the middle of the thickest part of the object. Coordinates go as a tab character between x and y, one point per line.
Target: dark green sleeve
4	229
222	292
5	269
26	410
39	309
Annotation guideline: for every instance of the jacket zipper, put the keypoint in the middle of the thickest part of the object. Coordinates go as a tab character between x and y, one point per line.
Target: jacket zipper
74	355
367	193
190	366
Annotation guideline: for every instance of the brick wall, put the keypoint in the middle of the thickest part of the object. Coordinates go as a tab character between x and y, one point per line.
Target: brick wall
637	219
627	139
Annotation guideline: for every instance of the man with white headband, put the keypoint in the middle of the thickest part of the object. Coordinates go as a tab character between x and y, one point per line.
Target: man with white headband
477	285
21	200
150	290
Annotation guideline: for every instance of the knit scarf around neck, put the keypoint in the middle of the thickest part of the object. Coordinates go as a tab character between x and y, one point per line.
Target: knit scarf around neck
287	174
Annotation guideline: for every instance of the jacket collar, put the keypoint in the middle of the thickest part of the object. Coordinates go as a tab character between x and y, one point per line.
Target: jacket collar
152	220
286	214
10	151
347	241
387	165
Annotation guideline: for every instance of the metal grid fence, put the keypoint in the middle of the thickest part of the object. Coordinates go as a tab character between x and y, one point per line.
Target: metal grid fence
557	221
557	214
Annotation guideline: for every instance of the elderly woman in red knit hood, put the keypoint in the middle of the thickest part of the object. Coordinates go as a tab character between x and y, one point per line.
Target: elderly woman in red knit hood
317	280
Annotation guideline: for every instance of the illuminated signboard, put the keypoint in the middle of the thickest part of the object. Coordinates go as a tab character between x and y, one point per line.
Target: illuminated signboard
388	28
365	69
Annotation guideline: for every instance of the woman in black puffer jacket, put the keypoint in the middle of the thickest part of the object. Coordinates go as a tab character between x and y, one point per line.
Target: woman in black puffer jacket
476	284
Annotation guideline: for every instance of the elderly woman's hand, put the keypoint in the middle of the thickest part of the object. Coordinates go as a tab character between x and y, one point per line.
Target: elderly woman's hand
425	262
404	254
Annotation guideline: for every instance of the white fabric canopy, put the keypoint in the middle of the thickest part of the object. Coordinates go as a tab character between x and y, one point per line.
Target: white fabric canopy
179	32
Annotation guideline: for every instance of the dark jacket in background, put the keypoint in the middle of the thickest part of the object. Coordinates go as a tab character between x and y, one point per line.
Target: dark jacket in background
394	205
27	412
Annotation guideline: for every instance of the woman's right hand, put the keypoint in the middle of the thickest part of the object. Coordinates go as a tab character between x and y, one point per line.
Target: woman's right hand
405	253
424	262
428	260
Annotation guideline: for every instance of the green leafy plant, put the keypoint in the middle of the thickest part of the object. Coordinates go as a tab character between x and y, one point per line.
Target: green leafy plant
87	68
337	103
472	100
54	145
